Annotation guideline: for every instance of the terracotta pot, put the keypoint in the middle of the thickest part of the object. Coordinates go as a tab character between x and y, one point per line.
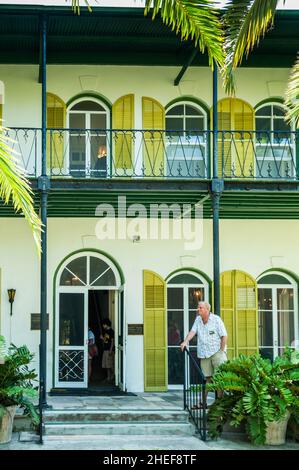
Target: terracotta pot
276	431
6	423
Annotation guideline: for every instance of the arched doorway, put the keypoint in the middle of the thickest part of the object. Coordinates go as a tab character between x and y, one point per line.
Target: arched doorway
89	288
278	313
185	289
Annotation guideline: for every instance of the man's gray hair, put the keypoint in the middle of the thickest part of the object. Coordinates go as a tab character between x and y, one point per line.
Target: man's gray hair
205	304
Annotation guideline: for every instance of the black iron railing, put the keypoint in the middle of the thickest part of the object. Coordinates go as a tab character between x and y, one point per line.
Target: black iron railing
121	153
195	401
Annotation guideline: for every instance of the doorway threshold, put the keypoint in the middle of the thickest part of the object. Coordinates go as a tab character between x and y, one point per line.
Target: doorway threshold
108	391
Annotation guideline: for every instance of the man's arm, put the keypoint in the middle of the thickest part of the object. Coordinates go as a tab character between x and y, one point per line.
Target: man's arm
223	343
188	338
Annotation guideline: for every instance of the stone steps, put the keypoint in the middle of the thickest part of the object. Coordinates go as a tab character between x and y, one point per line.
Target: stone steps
117	422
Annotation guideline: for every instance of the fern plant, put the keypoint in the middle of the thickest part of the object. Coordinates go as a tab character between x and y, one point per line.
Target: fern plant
16	382
255	391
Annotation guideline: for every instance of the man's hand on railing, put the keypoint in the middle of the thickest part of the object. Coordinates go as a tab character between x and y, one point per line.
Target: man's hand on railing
183	345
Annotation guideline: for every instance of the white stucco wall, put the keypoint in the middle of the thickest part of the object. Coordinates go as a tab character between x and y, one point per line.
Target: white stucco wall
253	246
23	92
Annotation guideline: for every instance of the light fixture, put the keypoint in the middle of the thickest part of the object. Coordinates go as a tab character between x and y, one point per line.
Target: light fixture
11	297
102	151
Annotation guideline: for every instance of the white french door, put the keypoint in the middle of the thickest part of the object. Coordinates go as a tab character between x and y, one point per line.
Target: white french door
120	335
71	362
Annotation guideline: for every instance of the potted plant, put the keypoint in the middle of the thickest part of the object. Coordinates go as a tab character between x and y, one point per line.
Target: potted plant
258	393
16	388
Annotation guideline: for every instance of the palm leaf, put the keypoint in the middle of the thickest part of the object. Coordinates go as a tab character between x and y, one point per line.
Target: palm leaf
245	21
76	6
15	187
195	20
292	94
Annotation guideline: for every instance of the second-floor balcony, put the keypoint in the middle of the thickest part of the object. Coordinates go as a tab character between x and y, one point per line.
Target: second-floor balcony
123	153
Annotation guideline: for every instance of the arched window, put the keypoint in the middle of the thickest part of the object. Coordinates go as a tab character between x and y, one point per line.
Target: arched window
186	140
278	313
184	290
275	142
88	120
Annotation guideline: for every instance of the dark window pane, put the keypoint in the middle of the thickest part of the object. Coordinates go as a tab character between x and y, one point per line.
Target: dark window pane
264	111
264	299
185	279
285	299
175	366
100	273
278	111
192	111
194	124
263	124
88	106
71	319
77	276
267	353
98	121
265	328
175	124
195	294
77	121
175	328
283	127
192	317
175	298
286	334
273	279
176	110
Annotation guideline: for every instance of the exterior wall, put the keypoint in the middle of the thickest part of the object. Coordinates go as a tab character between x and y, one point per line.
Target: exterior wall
23	92
253	246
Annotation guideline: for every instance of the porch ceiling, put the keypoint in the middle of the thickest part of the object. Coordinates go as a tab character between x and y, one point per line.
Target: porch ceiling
123	36
236	201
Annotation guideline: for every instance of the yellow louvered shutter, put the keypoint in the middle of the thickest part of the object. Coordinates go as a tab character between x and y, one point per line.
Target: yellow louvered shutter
238	296
56	113
227	310
155	333
153	119
123	118
246	314
235	149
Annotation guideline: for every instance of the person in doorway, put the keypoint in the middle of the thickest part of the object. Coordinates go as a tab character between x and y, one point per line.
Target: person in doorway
108	353
92	351
211	341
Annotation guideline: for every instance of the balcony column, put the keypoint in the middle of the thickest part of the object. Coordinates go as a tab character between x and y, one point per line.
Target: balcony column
43	186
216	190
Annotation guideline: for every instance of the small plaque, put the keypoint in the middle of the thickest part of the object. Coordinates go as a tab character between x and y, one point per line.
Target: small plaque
35	321
135	329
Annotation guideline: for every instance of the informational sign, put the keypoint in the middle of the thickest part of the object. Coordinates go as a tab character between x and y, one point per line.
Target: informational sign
135	329
35	321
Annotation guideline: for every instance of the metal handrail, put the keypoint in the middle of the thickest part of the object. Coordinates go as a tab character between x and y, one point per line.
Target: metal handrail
195	394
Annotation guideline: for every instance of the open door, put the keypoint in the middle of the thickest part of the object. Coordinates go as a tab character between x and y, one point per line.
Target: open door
120	340
72	340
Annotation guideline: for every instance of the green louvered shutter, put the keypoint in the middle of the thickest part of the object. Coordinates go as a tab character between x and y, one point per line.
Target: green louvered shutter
155	333
153	119
235	150
123	141
56	114
227	310
239	312
246	313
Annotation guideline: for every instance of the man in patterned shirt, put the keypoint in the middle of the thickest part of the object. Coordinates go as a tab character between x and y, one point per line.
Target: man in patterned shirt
211	339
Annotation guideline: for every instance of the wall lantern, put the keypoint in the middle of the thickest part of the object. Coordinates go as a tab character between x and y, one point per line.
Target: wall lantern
11	297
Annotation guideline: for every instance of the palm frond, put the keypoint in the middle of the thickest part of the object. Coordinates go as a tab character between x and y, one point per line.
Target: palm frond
292	94
245	22
15	187
195	20
76	6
